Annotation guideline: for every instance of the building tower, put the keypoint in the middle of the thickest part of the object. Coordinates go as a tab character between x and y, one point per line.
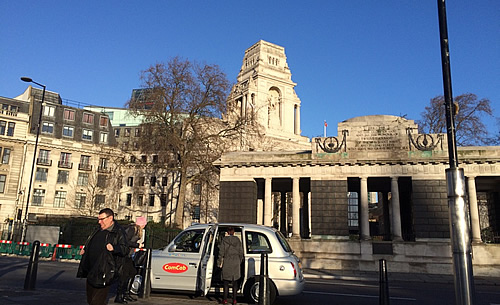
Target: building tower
265	89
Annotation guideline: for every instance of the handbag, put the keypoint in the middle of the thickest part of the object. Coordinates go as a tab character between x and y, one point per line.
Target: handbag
140	258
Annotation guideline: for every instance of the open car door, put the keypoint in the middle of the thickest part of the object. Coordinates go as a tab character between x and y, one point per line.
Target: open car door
207	261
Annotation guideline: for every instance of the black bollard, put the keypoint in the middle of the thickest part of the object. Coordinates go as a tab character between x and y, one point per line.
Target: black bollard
264	293
384	285
30	280
146	286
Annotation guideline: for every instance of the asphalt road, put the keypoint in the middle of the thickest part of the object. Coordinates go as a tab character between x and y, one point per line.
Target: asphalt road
59	278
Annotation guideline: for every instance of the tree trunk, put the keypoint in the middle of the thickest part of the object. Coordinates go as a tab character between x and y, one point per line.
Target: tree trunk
179	210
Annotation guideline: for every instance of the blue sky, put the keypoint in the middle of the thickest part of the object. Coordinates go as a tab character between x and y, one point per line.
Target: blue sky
348	58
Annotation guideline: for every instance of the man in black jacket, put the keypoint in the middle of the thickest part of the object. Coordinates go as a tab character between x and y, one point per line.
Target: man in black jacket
99	263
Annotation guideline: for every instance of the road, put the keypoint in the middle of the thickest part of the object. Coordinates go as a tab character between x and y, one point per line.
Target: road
61	276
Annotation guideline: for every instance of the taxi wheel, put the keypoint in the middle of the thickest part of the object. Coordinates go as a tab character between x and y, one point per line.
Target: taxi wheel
251	291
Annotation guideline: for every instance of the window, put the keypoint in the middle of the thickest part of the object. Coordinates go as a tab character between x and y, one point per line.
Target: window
85	161
164	181
352	210
60	199
141	181
101	180
117	132
155	158
80	199
197	189
100	200
137	132
38	197
127	132
189	241
10	129
5	107
43	156
14	108
152	181
103	163
3	125
65	160
103	122
47	127
88	118
130	181
163	200
83	179
104	137
3	178
69	114
132	159
144	158
257	242
140	199
49	110
152	200
62	176
6	156
41	174
68	131
129	199
87	134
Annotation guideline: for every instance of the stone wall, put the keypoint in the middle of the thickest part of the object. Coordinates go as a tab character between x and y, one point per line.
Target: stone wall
329	207
239	199
430	209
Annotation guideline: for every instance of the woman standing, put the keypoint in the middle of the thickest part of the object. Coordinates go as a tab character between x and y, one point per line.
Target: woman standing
230	258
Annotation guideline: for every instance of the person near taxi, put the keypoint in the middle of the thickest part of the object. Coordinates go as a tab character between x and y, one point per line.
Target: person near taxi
133	233
99	262
230	258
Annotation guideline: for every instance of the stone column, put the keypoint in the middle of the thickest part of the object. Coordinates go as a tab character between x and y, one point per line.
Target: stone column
244	105
363	195
297	120
295	208
474	210
396	213
268	212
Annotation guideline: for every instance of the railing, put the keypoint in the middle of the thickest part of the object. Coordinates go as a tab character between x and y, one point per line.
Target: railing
103	169
84	166
64	164
43	161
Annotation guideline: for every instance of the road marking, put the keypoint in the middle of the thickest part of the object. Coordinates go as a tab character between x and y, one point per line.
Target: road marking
357	295
342	284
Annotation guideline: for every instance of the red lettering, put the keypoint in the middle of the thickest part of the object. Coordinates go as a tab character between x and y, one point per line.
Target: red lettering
175	268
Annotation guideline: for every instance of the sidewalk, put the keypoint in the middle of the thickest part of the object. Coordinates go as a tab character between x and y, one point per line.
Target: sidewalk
14	294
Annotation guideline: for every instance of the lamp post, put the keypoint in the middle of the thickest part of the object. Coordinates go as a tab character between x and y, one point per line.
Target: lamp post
459	223
25	223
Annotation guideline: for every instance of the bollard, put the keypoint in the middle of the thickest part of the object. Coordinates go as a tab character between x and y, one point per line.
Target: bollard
30	280
384	285
264	294
146	286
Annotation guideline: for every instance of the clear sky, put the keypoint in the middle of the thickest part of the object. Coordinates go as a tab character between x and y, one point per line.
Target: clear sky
349	58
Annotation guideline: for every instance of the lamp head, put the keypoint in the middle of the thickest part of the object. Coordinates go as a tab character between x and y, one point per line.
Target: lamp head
26	79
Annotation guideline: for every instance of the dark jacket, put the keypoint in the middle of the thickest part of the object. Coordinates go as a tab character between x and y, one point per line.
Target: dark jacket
230	257
115	235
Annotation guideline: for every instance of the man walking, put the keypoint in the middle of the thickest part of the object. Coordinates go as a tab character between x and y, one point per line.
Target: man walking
99	263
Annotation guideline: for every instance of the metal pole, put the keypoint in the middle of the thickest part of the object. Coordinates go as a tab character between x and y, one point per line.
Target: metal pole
264	294
383	298
459	225
30	279
25	224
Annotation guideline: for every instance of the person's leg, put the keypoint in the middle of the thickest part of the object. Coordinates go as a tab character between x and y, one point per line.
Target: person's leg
97	296
226	290
234	291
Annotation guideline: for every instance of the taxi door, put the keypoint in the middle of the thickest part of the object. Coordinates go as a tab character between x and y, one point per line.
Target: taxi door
177	266
207	260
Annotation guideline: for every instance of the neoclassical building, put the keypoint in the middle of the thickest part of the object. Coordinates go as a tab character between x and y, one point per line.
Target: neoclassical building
377	189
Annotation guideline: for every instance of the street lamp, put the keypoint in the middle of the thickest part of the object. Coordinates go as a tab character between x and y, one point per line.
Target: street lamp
25	223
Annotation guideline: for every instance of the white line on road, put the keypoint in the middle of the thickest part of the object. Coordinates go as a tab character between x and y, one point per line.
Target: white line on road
357	295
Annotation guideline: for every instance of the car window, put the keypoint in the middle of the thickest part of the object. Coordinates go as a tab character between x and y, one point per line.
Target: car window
189	241
284	243
257	243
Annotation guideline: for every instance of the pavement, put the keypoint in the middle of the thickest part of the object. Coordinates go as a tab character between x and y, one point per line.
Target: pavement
12	293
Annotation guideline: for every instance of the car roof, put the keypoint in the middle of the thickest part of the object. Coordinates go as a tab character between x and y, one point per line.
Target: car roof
234	224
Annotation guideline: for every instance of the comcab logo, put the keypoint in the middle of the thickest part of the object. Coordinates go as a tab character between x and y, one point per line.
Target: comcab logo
175	267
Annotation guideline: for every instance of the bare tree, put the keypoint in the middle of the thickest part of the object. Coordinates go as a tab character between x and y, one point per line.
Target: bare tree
469	126
183	107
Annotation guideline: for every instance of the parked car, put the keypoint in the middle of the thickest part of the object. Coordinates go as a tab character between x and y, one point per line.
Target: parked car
188	263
